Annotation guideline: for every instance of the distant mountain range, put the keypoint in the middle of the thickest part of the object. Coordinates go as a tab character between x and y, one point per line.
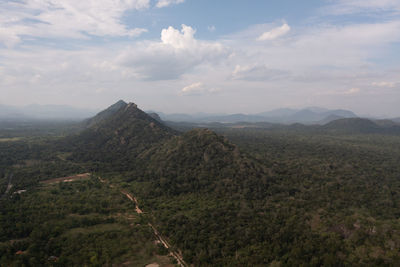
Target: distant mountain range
44	112
311	115
288	116
396	120
341	126
364	126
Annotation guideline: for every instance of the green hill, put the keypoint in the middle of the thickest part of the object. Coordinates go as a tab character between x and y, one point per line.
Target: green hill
114	137
202	161
359	125
283	196
105	114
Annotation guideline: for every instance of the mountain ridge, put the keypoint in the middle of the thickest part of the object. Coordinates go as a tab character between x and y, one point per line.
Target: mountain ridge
312	115
124	138
44	112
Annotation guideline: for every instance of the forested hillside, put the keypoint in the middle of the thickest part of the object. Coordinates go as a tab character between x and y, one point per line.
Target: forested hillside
239	197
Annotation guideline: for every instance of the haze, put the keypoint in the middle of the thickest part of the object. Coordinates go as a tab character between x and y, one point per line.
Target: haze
202	56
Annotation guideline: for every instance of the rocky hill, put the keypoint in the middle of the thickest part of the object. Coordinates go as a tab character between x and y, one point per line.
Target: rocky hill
117	135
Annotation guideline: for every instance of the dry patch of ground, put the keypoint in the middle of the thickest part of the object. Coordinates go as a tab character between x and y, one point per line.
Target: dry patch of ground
13	139
67	179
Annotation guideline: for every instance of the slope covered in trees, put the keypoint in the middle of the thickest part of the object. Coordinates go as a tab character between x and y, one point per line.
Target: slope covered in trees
243	197
114	137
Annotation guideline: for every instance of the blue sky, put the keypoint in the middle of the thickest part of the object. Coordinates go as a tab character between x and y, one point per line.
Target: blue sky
200	55
227	16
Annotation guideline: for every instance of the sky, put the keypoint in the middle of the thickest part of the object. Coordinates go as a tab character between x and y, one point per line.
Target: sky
189	56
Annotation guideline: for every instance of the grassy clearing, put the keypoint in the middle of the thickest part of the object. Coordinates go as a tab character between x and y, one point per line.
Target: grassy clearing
12	139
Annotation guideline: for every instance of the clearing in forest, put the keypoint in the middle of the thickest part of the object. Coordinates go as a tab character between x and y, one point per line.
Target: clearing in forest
67	179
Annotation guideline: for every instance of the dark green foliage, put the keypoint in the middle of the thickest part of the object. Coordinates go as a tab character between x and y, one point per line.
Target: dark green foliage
73	224
202	161
116	139
325	199
104	115
287	196
358	125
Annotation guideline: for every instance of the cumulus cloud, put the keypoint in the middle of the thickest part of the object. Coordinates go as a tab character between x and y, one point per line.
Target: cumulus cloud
183	39
327	60
177	53
165	3
274	33
66	18
193	88
197	88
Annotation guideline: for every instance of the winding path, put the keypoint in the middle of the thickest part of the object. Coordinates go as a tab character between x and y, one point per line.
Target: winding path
178	257
9	186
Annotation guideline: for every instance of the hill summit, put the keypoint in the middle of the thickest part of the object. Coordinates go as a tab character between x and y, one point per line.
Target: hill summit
124	138
105	113
202	161
119	134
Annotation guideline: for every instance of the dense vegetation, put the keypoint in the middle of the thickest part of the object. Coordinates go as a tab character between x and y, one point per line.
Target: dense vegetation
326	200
74	224
115	137
283	196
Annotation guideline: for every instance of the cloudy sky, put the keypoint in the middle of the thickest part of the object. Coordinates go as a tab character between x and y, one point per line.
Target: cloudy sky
202	55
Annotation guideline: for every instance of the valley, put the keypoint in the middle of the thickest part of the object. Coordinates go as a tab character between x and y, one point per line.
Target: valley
219	195
176	255
182	133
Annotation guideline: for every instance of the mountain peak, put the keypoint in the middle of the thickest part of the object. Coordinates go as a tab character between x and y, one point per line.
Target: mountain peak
103	115
120	102
117	105
122	131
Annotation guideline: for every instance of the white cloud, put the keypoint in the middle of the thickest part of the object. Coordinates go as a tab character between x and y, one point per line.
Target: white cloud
66	18
274	33
183	39
177	53
328	63
211	28
327	46
352	91
193	88
384	84
345	7
165	3
8	38
336	92
257	73
197	88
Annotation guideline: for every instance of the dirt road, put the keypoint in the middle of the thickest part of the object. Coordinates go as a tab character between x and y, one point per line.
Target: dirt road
177	256
9	186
